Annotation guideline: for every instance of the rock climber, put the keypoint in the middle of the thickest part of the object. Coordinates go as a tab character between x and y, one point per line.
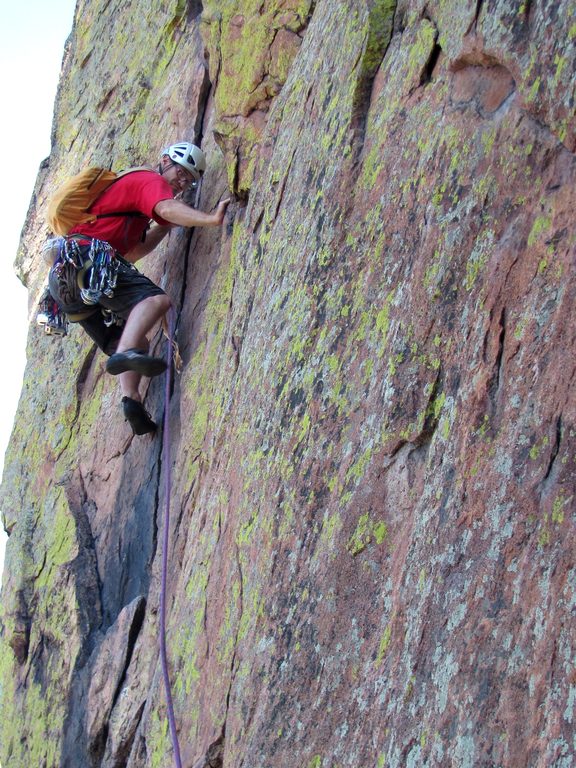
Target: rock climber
124	304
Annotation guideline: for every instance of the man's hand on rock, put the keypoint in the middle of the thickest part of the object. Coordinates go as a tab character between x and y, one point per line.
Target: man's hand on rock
220	212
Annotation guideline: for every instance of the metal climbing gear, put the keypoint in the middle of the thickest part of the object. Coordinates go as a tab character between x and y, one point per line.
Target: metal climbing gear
51	316
99	268
89	269
111	318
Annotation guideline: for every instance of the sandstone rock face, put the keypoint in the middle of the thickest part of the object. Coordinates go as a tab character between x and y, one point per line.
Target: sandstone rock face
373	435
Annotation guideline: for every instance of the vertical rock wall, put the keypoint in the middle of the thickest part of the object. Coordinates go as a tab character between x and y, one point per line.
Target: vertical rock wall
373	434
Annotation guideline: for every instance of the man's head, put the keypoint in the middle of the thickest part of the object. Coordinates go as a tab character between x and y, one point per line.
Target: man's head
182	164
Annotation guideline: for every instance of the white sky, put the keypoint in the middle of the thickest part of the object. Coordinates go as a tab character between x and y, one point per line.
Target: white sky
33	37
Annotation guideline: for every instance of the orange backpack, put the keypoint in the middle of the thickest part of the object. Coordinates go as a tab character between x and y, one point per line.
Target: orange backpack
70	203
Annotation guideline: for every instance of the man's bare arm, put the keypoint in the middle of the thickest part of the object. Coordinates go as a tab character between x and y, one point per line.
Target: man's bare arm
177	212
153	237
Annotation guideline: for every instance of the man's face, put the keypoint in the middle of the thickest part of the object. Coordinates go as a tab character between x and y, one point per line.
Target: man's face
177	176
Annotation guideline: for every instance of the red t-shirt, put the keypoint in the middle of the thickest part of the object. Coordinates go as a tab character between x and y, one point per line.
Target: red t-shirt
138	191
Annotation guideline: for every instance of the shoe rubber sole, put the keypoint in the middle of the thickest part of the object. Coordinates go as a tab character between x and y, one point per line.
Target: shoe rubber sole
145	365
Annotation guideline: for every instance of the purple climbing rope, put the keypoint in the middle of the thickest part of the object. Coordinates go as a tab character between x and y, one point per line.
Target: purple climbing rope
165	542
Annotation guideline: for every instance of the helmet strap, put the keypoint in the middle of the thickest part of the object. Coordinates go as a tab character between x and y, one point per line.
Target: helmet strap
162	167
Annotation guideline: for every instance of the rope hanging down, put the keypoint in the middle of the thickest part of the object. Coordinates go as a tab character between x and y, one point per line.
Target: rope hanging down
165	542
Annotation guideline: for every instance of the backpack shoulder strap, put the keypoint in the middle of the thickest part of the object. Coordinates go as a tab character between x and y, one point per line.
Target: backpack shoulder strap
119	175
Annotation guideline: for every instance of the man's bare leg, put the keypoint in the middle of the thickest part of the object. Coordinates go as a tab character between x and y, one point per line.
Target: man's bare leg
134	342
141	320
145	315
129	384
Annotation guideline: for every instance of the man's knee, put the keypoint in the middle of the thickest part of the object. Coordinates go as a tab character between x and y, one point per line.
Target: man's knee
164	301
161	302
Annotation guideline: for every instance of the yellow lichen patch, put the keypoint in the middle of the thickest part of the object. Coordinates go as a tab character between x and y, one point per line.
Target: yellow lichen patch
384	644
367	530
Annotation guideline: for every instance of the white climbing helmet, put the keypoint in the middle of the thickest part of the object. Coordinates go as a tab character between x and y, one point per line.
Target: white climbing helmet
189	156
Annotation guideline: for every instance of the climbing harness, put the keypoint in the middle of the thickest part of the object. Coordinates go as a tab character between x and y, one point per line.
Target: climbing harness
95	275
165	543
99	267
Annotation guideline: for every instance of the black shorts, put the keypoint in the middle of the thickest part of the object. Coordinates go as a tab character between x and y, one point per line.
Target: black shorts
132	287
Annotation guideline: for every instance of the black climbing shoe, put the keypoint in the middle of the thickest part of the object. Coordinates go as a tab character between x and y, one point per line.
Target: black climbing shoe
135	360
138	416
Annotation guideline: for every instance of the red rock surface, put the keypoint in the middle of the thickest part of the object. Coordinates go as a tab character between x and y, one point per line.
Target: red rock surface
373	434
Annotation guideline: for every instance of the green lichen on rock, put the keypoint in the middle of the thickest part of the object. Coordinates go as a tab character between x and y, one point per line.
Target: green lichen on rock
42	718
31	736
250	53
380	23
366	531
205	380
